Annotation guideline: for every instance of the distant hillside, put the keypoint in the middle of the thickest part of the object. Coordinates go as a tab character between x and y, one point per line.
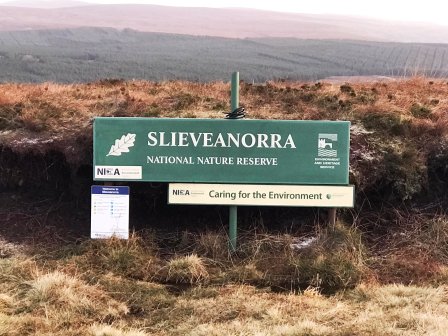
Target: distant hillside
46	4
88	54
232	23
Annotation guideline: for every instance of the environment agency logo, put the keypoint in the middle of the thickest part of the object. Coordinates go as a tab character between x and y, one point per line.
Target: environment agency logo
326	144
122	145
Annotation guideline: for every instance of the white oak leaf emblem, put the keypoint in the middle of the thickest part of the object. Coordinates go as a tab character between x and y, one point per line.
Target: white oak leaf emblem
122	145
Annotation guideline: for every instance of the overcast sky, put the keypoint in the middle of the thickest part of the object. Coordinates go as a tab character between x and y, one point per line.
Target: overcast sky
435	11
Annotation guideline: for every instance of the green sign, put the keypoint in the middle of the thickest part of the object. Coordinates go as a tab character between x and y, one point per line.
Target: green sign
221	151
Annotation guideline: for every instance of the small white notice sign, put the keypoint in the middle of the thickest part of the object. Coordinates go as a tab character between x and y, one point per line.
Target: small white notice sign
110	212
269	195
118	172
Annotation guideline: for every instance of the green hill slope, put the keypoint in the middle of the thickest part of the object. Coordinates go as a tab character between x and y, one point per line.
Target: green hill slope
88	54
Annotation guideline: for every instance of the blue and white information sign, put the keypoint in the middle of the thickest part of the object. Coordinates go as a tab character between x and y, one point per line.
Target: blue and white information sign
110	212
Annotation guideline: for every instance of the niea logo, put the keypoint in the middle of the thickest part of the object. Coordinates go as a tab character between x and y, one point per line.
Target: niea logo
107	171
118	172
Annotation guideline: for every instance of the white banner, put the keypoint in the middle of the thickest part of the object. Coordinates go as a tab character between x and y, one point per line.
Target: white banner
268	195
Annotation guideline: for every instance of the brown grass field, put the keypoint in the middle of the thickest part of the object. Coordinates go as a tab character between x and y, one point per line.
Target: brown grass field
381	270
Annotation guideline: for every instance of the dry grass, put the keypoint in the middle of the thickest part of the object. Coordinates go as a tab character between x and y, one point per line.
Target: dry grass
390	310
136	257
415	251
67	292
46	297
335	259
134	287
37	302
57	107
406	114
404	120
8	249
107	330
189	269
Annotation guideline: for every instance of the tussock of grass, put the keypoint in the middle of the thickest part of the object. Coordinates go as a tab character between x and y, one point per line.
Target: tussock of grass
415	251
6	302
8	249
106	330
143	298
189	269
433	235
56	290
135	257
246	273
413	310
334	261
15	272
11	325
212	245
52	303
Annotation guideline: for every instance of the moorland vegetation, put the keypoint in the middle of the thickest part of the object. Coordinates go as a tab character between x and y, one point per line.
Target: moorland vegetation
382	269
